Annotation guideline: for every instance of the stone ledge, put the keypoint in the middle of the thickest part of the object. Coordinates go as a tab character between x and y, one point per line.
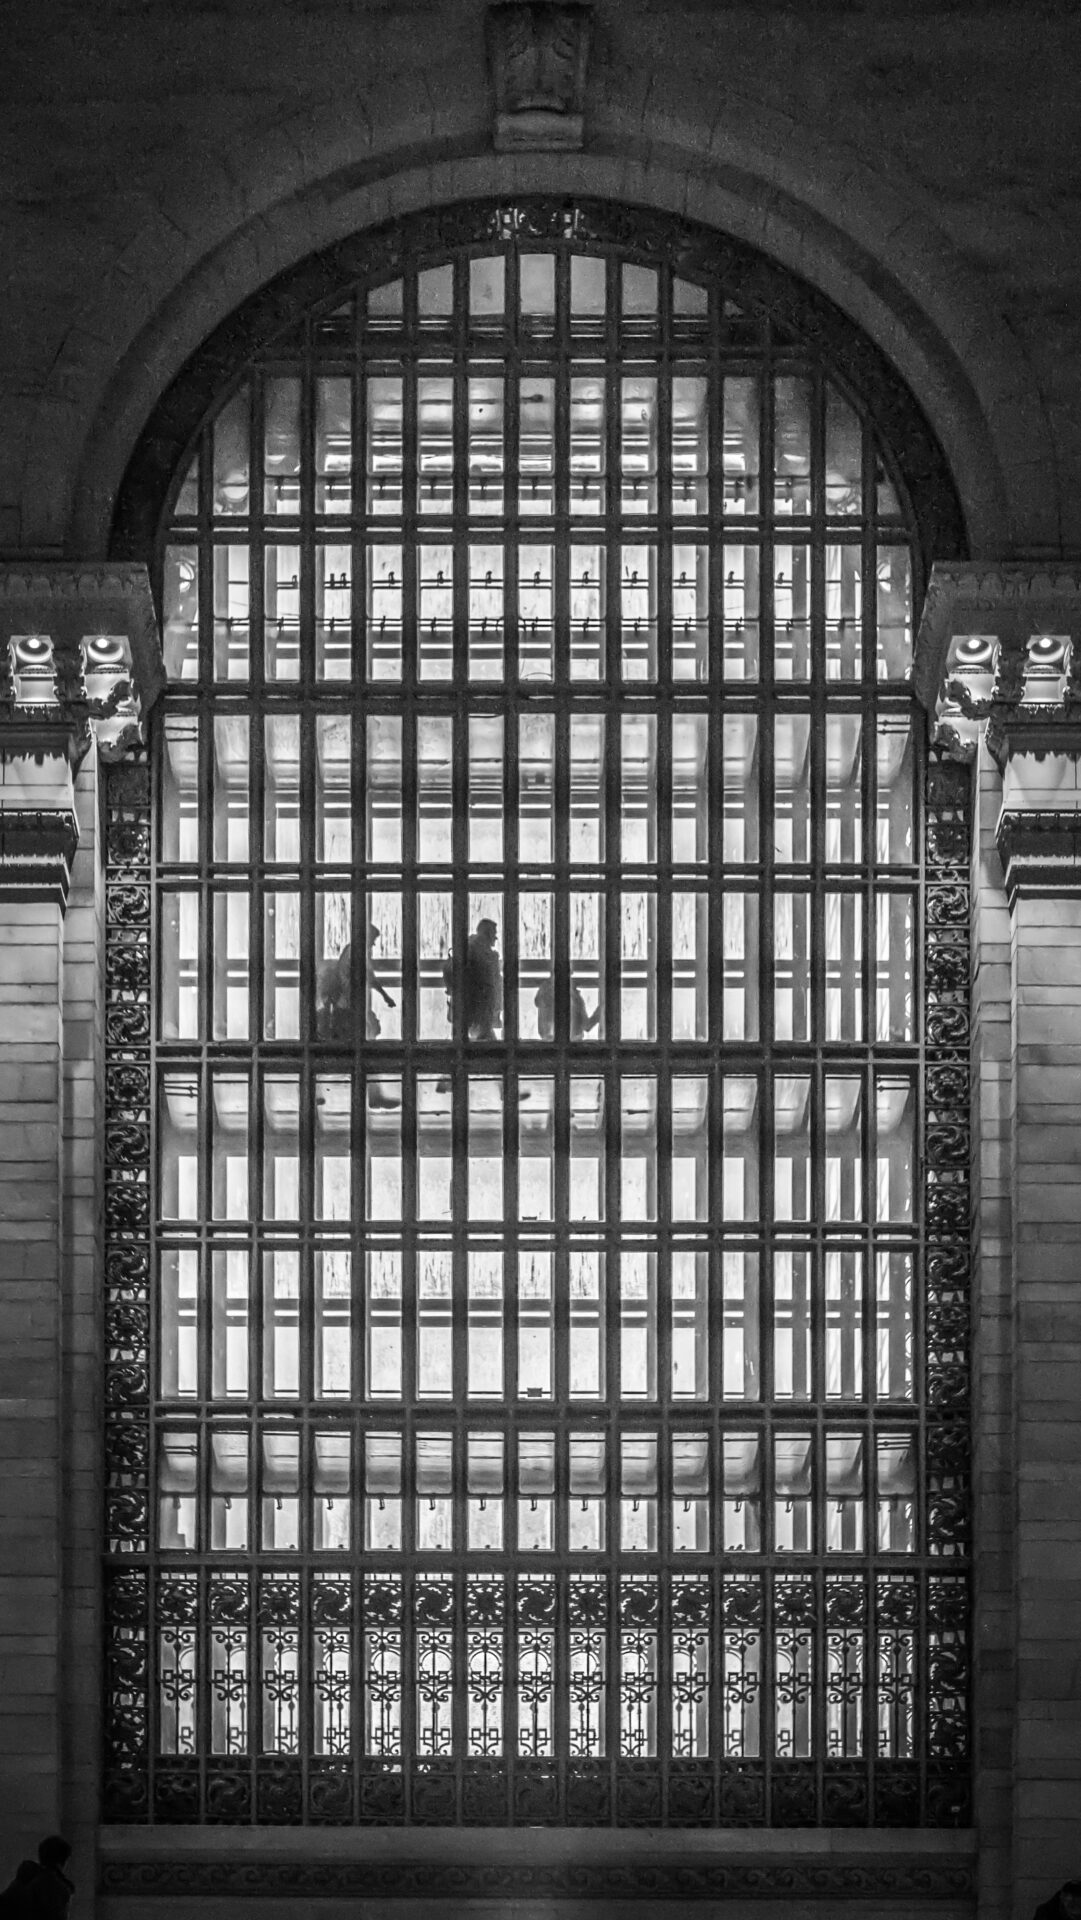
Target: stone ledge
537	1864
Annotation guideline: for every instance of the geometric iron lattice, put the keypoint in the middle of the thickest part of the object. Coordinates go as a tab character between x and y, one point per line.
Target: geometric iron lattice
537	1192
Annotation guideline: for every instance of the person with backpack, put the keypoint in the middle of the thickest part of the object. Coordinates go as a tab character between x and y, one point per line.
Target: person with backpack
41	1889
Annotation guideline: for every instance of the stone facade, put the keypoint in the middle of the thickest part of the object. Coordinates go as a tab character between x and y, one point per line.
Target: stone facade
916	164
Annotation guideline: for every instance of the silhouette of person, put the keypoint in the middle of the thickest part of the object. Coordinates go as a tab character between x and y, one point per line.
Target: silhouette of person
335	990
374	986
41	1889
1063	1905
481	983
582	1021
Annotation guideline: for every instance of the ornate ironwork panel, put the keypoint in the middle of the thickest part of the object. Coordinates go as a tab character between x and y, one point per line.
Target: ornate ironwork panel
537	1195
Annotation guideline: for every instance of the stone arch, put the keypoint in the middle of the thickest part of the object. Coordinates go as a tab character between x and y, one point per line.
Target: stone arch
751	173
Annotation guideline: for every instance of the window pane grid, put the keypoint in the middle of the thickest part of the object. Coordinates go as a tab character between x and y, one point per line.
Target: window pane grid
541	1430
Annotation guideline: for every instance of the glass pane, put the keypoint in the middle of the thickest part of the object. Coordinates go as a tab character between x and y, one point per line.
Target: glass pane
740	1147
740	787
844	787
792	788
792	446
385	971
895	1135
179	1332
792	1328
486	286
384	613
893	1325
231	969
638	966
383	428
434	812
535	1325
893	840
739	1295
435	445
535	613
638	767
333	613
741	605
281	951
435	612
690	445
383	1295
844	613
537	993
690	612
587	843
384	789
281	429
792	612
587	612
742	460
844	1324
587	966
231	459
229	1197
792	1147
485	417
486	789
231	774
536	445
181	953
792	966
281	608
231	613
433	962
333	789
690	964
894	592
587	444
844	456
638	612
638	444
844	966
843	1147
333	445
180	789
282	789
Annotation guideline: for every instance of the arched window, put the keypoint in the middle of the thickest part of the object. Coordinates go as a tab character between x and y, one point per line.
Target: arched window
537	1421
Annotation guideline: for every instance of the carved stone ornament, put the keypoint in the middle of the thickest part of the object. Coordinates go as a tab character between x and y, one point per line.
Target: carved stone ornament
79	651
79	658
1001	644
538	50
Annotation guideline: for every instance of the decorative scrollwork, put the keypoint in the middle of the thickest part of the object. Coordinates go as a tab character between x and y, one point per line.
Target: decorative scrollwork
127	1143
127	1027
127	1086
129	906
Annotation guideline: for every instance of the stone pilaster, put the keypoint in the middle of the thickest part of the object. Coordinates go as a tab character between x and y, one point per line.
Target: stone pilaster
999	668
79	668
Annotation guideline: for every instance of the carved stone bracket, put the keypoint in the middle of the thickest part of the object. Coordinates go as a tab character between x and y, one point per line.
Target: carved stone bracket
1001	645
999	648
537	52
79	658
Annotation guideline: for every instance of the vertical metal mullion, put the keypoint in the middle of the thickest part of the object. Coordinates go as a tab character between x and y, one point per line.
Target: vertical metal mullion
306	537
511	521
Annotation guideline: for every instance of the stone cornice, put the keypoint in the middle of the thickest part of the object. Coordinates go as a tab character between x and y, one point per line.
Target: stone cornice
79	648
1040	851
37	847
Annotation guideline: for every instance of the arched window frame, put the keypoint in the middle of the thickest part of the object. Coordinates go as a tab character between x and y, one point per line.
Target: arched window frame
197	1604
